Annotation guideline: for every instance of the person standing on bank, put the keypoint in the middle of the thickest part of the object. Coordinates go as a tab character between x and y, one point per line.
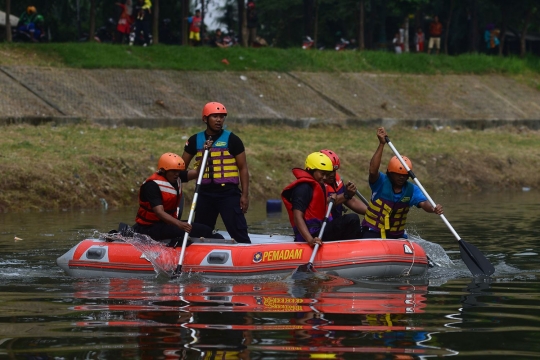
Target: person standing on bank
392	196
227	168
435	33
159	198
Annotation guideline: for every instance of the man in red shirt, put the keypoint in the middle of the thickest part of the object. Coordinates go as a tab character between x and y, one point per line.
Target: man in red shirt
195	28
435	32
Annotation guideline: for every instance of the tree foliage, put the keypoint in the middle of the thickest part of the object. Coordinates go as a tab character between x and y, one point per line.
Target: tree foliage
284	23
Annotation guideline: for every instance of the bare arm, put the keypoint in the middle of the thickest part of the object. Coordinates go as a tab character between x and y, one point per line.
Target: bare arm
187	158
375	162
303	229
430	209
241	162
357	206
168	219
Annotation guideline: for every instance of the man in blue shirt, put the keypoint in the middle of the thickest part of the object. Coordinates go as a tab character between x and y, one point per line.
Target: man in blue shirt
392	196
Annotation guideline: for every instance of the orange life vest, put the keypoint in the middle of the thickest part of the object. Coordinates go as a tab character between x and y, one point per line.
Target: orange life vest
170	196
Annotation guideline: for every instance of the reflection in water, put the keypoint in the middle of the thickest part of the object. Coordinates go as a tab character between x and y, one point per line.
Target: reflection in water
315	315
45	314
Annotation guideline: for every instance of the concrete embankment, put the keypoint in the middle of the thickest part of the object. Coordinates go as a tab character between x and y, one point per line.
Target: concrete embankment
150	98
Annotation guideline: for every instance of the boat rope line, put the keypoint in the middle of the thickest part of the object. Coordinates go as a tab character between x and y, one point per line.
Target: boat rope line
405	271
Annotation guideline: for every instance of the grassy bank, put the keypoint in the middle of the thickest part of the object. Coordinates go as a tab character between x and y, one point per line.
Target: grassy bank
95	55
74	166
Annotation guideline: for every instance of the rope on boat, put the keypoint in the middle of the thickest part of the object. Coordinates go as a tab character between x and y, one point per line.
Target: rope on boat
408	272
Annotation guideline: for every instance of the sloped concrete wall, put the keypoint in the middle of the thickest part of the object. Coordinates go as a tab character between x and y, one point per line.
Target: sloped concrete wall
158	98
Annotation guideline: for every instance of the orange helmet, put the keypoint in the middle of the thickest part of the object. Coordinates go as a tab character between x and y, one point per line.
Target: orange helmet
333	156
395	165
214	108
170	161
31	10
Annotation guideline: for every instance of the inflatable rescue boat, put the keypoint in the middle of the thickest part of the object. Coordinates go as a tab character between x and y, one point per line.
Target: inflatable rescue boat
120	257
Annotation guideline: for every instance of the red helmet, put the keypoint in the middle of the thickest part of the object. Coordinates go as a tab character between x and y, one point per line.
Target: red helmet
333	156
395	165
214	108
170	161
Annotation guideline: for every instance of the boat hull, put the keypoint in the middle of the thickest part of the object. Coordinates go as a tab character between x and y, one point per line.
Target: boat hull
271	256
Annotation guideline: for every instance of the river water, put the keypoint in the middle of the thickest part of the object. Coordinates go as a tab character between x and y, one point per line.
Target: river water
45	314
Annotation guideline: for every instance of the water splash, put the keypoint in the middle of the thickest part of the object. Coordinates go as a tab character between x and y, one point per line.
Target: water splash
163	258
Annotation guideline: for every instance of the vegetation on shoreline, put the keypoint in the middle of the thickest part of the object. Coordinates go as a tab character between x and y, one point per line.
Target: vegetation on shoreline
75	166
95	55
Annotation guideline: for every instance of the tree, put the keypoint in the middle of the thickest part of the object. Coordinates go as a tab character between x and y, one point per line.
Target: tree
361	26
155	22
242	23
8	21
448	22
92	30
531	9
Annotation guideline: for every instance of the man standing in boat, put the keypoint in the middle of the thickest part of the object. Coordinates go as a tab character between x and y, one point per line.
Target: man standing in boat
306	202
226	168
392	196
159	198
345	195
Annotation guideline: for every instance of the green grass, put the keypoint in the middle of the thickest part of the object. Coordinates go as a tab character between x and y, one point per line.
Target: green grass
73	166
95	55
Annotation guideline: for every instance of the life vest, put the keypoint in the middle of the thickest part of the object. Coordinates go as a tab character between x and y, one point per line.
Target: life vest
221	166
170	196
337	210
386	215
316	211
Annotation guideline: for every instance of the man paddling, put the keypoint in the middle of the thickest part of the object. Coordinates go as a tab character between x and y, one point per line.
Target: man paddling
306	202
344	195
392	196
159	198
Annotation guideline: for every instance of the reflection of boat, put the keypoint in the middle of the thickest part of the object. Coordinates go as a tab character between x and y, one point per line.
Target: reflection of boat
267	255
333	295
224	316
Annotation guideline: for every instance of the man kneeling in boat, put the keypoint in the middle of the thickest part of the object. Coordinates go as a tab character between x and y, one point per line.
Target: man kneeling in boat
344	195
159	199
306	202
392	196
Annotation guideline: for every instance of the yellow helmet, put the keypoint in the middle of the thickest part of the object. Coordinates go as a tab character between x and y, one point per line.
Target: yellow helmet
319	161
31	10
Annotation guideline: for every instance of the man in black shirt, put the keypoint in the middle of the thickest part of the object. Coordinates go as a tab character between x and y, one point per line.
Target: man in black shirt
159	199
226	169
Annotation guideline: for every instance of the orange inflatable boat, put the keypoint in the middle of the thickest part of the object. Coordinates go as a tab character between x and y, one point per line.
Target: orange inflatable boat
267	255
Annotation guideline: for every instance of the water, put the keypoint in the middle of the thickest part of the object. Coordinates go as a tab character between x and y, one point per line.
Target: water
45	314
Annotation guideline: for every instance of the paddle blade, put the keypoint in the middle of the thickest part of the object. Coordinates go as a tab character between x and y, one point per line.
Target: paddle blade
177	272
477	263
303	271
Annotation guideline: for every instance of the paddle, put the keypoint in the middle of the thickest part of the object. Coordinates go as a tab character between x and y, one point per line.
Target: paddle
364	200
309	266
477	263
191	212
